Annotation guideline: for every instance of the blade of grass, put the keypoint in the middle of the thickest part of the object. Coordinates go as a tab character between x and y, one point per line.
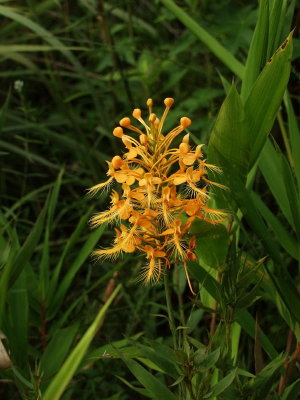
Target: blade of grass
61	380
155	387
214	46
83	254
67	249
45	259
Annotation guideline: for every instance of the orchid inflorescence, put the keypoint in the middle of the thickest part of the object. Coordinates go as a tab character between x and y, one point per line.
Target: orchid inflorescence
155	216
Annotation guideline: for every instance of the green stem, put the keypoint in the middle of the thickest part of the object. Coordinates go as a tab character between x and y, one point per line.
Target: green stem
170	311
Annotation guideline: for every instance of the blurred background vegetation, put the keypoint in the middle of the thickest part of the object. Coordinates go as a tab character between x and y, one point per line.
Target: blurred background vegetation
69	71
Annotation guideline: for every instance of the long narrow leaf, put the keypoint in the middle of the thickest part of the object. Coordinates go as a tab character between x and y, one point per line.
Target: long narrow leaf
65	374
214	46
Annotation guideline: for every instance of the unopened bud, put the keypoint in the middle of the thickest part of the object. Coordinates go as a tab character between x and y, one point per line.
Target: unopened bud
118	132
168	102
149	103
137	113
116	162
125	122
185	122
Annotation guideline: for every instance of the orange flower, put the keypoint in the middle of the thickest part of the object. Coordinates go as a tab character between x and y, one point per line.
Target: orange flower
156	215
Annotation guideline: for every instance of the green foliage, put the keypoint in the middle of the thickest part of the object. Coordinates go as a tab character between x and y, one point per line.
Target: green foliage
69	72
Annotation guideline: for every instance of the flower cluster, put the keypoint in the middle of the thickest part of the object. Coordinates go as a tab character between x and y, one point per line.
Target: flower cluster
164	189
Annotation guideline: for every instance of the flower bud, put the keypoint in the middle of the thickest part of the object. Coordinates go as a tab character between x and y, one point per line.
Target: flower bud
125	122
116	162
184	122
168	102
118	132
137	113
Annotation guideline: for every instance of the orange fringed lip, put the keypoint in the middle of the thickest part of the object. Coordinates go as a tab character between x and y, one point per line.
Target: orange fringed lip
154	214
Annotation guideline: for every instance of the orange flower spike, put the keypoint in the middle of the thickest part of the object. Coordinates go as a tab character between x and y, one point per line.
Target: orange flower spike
157	213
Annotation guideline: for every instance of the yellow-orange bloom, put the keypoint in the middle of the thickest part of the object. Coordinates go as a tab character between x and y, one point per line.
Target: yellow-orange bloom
156	214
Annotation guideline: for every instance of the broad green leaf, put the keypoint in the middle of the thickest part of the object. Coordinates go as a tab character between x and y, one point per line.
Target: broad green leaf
210	359
285	239
270	165
261	385
265	97
277	20
211	246
61	380
292	391
154	386
57	351
280	278
292	194
214	46
160	359
193	320
229	141
294	136
256	58
235	341
222	385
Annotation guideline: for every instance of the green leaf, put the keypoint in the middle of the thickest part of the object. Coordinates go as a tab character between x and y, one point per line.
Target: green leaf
270	164
277	20
66	282
57	351
45	260
263	102
292	194
210	360
67	249
292	391
294	136
160	359
211	246
141	391
62	378
285	239
154	386
17	321
214	46
222	385
261	385
258	50
243	317
229	138
17	263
